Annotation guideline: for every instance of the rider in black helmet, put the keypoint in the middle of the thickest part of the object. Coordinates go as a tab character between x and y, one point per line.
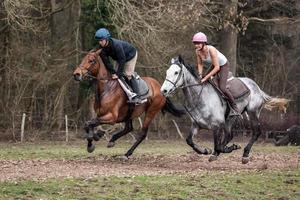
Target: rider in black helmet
124	54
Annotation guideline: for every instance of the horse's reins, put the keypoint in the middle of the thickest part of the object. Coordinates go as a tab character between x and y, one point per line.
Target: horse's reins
179	77
89	73
184	86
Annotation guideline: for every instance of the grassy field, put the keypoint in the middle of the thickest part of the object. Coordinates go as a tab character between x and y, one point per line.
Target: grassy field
207	185
259	184
77	150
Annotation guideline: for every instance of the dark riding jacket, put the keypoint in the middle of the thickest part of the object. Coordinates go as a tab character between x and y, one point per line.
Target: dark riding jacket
120	51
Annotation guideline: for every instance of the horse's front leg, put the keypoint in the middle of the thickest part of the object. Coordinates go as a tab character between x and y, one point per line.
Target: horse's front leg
189	140
217	144
90	134
108	118
89	129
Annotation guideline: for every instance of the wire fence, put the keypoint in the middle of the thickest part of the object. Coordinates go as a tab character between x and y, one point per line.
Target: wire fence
22	126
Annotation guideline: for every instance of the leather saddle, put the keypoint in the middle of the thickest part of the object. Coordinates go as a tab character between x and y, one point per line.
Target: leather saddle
140	87
237	88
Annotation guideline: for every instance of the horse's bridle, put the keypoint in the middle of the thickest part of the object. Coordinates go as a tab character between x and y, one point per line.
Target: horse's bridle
180	75
90	69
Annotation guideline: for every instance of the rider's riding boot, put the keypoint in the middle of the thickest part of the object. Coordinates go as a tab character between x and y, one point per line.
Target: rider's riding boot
136	99
234	109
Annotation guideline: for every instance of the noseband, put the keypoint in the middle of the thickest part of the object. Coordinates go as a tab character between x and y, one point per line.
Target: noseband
178	77
181	75
90	69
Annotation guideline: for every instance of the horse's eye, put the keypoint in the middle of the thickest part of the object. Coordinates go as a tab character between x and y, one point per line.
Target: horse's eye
176	73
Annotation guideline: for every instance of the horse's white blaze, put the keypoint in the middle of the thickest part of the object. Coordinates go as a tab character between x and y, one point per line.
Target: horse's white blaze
172	81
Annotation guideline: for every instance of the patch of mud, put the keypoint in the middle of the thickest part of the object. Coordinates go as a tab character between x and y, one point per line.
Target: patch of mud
140	165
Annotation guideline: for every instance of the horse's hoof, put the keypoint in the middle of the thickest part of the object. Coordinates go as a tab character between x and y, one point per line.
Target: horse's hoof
245	160
121	157
110	144
212	158
208	151
91	148
124	158
100	133
237	146
96	137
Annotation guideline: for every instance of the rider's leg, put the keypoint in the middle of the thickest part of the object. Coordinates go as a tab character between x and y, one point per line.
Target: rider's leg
134	86
224	70
129	71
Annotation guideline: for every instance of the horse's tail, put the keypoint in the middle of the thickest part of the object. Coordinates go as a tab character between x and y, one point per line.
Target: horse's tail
275	102
171	108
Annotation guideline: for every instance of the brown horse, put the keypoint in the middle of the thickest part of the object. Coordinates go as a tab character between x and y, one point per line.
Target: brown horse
111	103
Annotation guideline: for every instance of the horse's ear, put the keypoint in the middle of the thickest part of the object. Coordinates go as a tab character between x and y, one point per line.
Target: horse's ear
173	60
180	59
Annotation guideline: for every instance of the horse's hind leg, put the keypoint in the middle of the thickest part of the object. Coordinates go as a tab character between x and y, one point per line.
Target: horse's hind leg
128	127
255	125
221	141
141	137
189	140
149	116
228	137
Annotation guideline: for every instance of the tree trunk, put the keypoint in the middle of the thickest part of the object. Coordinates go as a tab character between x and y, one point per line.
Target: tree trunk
229	34
65	36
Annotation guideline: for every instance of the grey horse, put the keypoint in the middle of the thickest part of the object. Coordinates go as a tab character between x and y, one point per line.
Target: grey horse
208	110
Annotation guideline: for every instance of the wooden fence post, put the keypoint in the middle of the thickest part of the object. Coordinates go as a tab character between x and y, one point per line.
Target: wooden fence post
67	131
177	128
22	127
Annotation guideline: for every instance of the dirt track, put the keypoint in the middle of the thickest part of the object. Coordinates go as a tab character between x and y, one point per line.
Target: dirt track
141	165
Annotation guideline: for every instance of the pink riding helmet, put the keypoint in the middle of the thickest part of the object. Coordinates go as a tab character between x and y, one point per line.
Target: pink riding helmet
200	37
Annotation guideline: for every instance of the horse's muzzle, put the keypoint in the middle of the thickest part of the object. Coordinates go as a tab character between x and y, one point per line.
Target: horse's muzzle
165	92
77	77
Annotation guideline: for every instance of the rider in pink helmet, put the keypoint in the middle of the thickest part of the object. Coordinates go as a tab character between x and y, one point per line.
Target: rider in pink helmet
200	37
210	57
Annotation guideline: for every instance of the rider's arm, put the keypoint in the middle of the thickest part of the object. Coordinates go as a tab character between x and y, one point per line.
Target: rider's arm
121	59
215	63
98	51
199	64
107	63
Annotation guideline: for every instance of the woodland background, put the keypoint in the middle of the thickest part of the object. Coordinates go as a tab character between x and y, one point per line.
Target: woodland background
41	42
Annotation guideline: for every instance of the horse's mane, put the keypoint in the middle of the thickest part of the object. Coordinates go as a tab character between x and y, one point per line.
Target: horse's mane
189	67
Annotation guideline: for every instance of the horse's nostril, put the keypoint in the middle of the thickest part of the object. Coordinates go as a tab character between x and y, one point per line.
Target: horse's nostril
164	92
76	76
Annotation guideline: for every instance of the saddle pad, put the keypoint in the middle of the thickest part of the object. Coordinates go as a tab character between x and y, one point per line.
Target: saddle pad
143	88
140	87
237	88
